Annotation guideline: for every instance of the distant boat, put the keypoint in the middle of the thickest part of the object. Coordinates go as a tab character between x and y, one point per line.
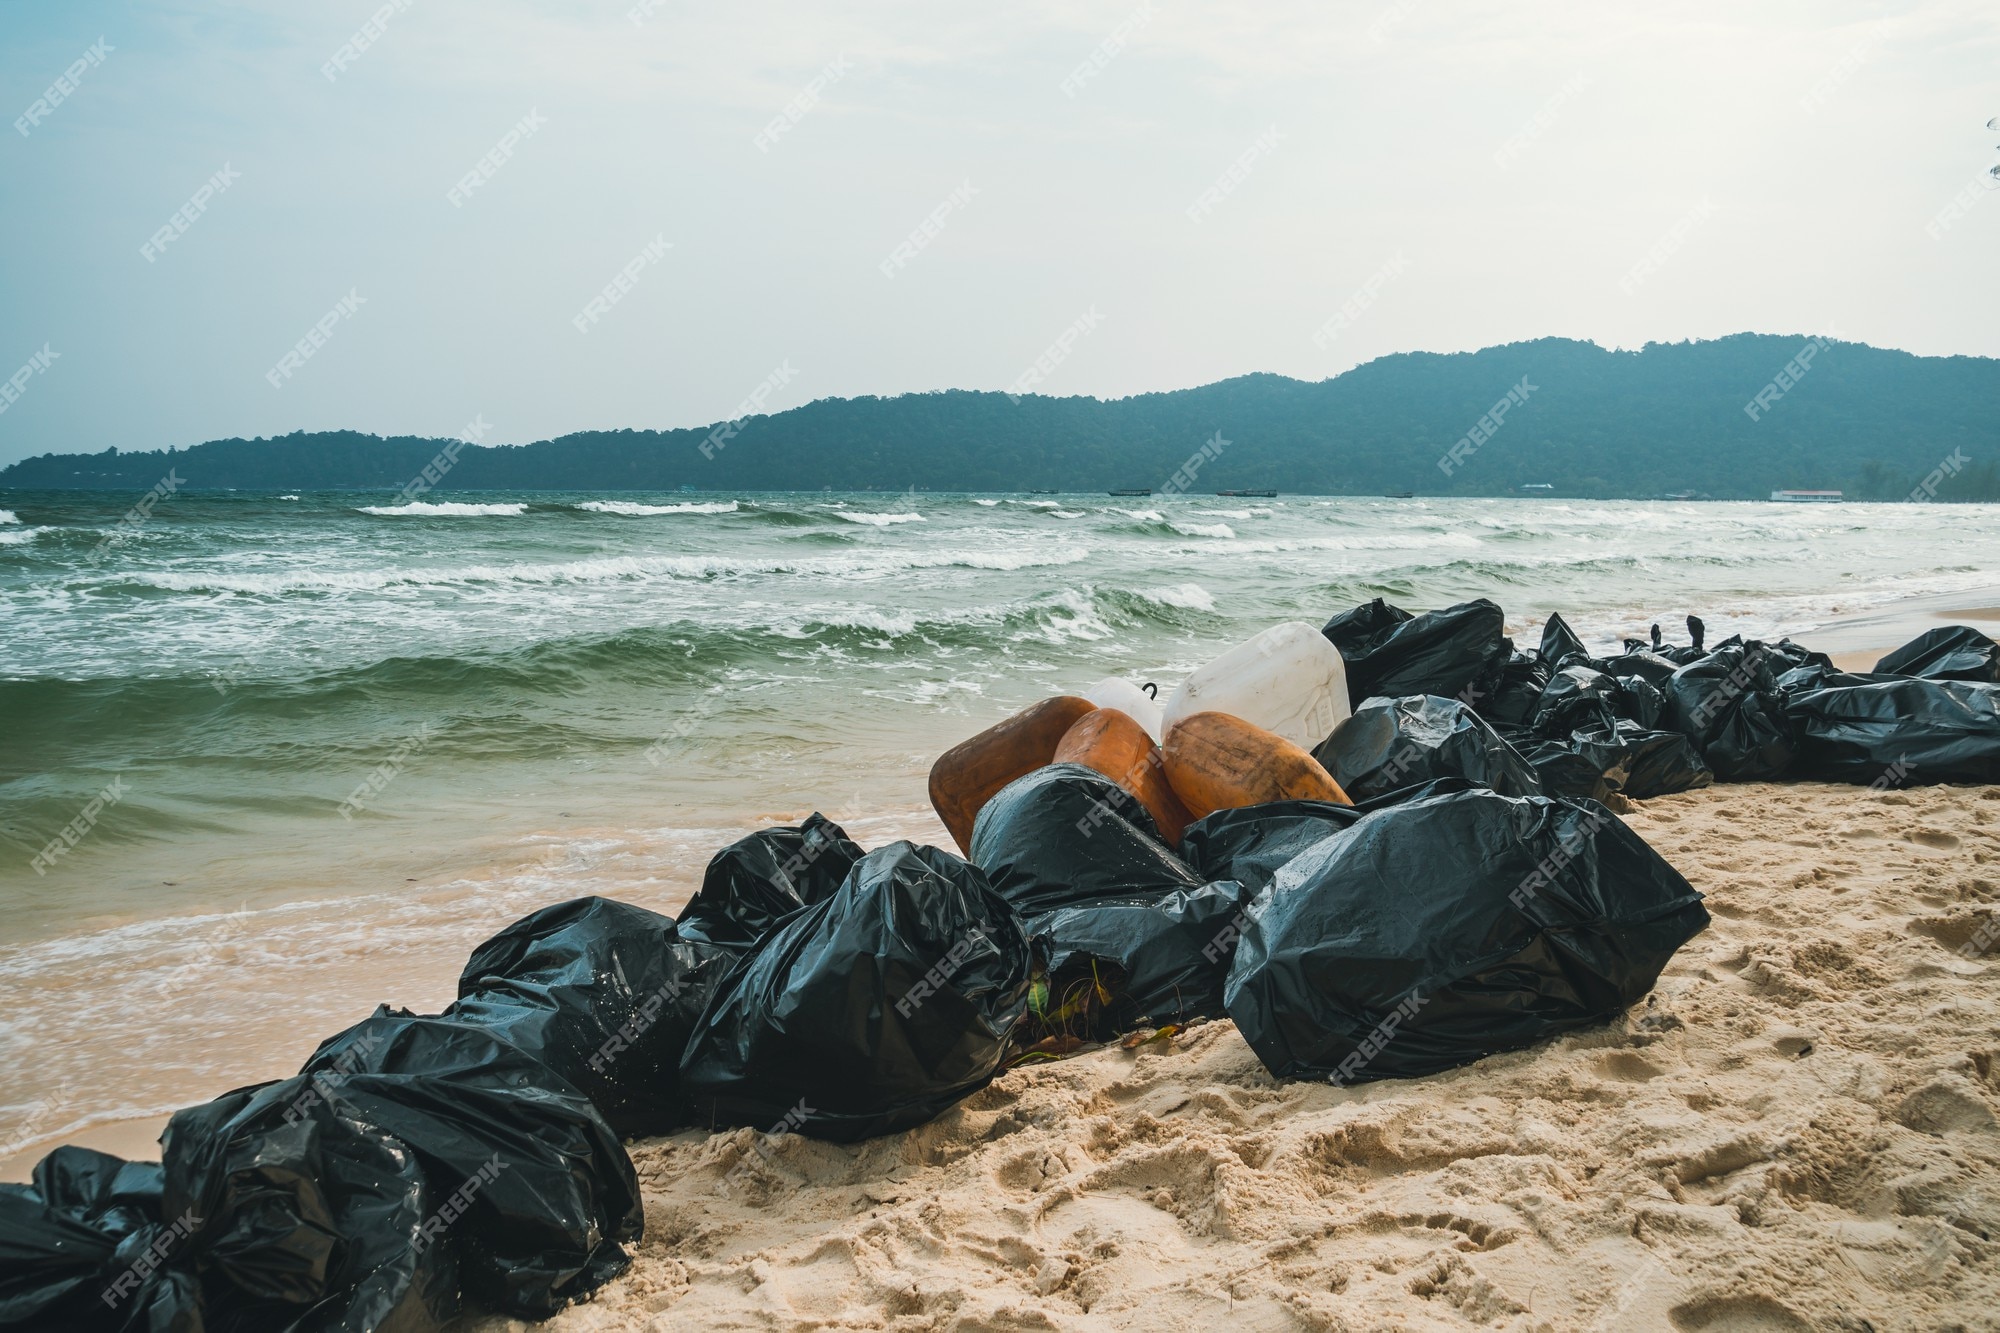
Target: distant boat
1132	490
1399	495
1534	486
1039	491
1266	495
1807	497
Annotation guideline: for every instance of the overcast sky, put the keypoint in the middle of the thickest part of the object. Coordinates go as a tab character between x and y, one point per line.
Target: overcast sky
878	198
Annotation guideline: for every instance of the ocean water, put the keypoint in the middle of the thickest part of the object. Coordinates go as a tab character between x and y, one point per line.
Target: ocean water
349	737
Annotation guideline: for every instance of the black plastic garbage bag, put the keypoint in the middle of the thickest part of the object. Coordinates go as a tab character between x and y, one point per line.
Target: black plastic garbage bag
1641	764
1511	702
1582	698
1067	834
1577	698
1949	652
605	994
1728	704
68	1237
1564	772
1640	701
1806	679
1390	652
274	1212
1250	843
1439	931
1560	643
413	1159
1900	733
1641	662
311	1227
1127	964
1784	655
1359	631
298	1213
756	882
870	1012
555	1193
1392	743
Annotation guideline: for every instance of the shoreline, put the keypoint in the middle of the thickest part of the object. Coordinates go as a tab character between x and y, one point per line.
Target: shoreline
1887	628
408	955
1855	643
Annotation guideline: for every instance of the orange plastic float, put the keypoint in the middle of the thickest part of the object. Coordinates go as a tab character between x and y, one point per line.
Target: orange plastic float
1218	762
1112	742
967	776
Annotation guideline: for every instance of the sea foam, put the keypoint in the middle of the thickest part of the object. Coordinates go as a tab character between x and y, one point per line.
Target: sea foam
635	510
445	509
877	520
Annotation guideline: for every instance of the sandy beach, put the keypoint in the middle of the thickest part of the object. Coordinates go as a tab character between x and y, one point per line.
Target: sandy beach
1797	1130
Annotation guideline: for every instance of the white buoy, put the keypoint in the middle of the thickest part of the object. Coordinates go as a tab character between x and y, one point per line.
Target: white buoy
1289	680
1129	699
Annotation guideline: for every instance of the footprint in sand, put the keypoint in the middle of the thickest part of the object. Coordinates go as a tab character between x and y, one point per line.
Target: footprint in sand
1736	1314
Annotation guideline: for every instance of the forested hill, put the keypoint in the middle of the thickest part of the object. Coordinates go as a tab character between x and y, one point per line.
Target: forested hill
1667	418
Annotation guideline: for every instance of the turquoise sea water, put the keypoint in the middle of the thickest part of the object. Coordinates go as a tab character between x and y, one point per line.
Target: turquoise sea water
350	737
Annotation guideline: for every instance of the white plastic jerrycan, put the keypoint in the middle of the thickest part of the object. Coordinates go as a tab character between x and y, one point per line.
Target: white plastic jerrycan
1288	680
1129	699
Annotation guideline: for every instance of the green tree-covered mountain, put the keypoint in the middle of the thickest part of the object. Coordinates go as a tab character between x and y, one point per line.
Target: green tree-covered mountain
1667	418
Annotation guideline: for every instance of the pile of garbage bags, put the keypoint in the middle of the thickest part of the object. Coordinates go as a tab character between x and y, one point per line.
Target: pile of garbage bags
1653	719
419	1165
1383	849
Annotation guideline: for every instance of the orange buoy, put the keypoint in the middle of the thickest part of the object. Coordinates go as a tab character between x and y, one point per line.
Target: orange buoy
966	776
1219	762
1112	742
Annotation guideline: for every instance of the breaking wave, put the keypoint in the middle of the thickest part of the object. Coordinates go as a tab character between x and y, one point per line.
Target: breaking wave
877	520
444	509
636	510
